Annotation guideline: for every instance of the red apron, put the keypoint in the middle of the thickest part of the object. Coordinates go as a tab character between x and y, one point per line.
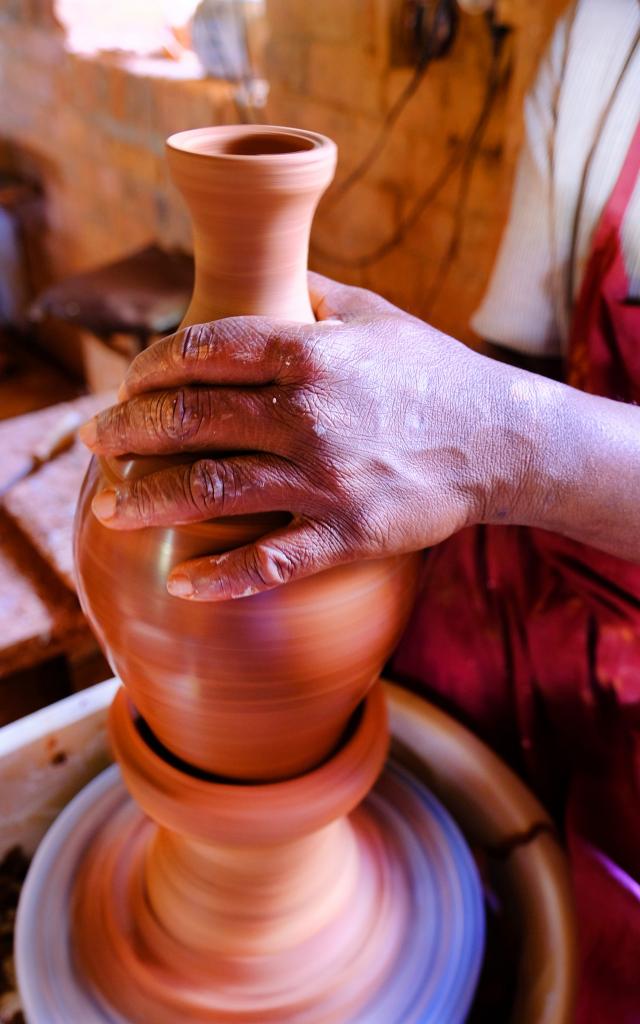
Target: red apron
534	640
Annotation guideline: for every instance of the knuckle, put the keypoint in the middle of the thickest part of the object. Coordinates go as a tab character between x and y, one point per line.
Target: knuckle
298	351
311	352
281	351
115	425
270	566
212	486
180	415
367	526
142	501
302	403
310	417
194	344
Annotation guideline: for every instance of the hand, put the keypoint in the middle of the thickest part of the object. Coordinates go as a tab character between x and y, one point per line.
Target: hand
378	434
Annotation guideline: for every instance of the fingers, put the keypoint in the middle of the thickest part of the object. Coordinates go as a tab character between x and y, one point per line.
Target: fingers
201	490
247	351
239	350
191	419
300	549
331	300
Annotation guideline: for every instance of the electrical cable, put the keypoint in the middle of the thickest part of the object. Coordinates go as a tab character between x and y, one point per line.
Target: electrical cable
397	108
457	159
494	81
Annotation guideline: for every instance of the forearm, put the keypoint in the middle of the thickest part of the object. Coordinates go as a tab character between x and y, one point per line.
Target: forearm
573	467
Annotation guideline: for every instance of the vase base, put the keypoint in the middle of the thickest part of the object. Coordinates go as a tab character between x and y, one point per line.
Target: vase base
419	961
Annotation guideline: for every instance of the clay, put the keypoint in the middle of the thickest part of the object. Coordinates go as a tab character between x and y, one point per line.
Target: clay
278	899
262	903
259	688
490	804
237	889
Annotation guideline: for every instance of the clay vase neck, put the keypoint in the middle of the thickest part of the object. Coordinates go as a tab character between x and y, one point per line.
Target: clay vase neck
251	193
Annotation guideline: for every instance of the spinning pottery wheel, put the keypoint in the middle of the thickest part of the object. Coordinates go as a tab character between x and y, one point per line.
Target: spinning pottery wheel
421	955
253	860
489	801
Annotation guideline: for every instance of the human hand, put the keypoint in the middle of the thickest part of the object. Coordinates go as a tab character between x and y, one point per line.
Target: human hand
377	433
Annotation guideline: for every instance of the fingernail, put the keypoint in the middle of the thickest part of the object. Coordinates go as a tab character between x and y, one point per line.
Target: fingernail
180	586
104	504
88	433
122	392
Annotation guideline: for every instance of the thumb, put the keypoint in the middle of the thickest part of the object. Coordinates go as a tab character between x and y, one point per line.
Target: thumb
331	300
300	549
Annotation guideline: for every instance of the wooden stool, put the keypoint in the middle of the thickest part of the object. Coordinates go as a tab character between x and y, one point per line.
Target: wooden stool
120	308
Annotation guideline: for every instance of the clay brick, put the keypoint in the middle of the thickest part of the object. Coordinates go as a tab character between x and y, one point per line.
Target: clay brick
90	83
41	617
287	62
98	133
138	103
135	161
208	102
346	77
117	83
357	225
333	21
170	111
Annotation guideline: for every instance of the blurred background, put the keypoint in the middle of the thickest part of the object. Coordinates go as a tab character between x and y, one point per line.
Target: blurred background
424	99
90	90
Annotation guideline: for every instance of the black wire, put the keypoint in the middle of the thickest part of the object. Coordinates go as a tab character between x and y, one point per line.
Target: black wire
412	86
424	200
474	143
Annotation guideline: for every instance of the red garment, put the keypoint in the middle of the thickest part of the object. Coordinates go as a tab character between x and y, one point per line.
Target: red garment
535	641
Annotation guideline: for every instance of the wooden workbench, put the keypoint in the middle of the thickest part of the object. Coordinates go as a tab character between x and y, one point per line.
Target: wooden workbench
40	617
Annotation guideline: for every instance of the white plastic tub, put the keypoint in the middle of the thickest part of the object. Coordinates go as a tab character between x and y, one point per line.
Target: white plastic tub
46	758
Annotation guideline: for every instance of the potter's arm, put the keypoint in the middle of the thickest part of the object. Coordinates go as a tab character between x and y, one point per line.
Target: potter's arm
585	479
578	468
376	432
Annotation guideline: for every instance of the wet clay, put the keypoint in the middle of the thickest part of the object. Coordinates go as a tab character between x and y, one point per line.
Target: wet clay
259	688
289	902
248	730
245	901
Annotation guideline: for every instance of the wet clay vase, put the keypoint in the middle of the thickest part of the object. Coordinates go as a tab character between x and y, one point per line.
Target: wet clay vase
237	886
259	688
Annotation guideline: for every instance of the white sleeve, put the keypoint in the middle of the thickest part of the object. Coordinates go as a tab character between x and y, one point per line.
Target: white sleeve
518	309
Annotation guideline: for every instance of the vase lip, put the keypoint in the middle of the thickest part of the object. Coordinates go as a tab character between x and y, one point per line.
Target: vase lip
249	143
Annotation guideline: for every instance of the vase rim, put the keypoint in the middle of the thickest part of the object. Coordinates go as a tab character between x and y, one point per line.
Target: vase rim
249	143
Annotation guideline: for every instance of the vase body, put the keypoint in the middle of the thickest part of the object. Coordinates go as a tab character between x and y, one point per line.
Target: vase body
262	687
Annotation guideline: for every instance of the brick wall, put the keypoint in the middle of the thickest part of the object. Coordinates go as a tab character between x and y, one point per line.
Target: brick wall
330	70
94	130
